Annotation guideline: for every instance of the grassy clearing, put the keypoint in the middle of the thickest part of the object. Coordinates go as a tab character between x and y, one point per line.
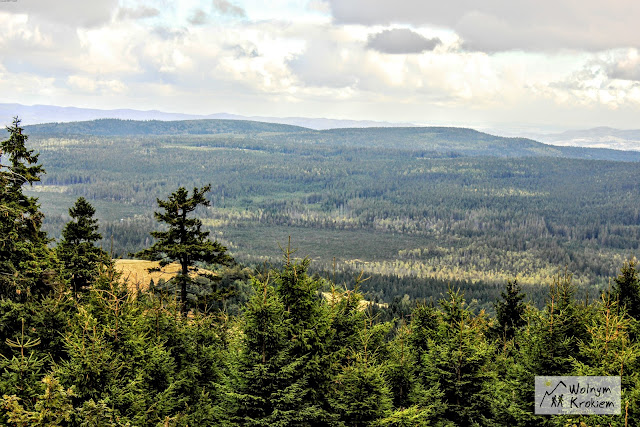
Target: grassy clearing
136	273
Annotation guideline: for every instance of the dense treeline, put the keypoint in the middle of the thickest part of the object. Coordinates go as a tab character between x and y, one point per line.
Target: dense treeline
81	347
293	358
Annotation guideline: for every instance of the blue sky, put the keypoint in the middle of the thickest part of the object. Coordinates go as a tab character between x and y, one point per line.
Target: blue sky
560	64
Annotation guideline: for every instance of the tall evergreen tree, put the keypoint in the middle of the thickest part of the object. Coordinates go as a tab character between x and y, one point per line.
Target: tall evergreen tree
77	251
554	333
25	259
510	311
457	363
184	241
264	389
626	289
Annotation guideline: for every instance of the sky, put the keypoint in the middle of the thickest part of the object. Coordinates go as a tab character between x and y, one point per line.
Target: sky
550	64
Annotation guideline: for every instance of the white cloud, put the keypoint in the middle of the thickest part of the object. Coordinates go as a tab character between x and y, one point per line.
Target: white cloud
92	86
72	13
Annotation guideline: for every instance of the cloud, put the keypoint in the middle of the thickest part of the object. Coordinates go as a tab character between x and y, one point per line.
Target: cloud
141	12
91	85
330	60
401	40
625	66
495	25
198	17
73	13
227	8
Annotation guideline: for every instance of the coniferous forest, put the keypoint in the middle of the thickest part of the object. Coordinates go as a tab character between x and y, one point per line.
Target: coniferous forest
527	271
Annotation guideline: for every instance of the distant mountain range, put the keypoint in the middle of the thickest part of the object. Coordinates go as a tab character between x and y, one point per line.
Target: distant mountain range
600	137
35	114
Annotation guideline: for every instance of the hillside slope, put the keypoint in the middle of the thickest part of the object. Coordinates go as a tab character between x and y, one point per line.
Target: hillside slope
426	141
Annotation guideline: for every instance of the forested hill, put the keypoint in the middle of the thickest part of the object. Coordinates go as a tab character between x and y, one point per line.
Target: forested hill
117	127
425	141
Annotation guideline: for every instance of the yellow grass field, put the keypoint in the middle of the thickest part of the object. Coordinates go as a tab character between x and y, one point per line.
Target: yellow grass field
135	272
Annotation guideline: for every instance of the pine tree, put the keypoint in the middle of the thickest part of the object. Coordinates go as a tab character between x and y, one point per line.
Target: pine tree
184	241
269	389
554	333
627	289
610	351
25	259
457	363
510	311
361	395
77	251
52	408
309	318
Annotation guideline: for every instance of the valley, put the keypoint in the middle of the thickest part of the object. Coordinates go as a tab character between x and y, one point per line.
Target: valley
444	204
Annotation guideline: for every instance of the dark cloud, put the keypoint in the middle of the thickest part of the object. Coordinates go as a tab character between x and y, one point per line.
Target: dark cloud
73	13
141	12
401	40
496	25
227	8
198	17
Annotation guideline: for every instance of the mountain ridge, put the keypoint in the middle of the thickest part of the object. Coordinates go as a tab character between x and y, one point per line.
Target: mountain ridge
451	141
39	114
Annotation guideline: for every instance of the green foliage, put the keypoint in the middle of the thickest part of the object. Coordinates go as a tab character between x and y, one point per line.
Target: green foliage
510	311
25	260
626	290
284	369
184	241
457	362
361	395
77	252
21	373
553	335
51	408
400	368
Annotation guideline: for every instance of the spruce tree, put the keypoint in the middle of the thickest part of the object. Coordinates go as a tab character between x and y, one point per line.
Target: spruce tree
184	241
25	259
361	396
627	289
510	311
269	390
77	251
553	334
457	363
